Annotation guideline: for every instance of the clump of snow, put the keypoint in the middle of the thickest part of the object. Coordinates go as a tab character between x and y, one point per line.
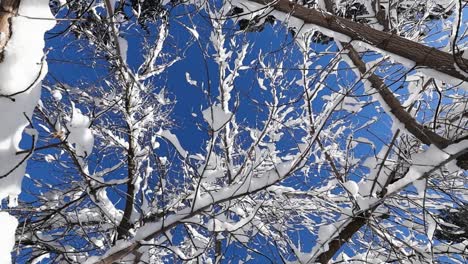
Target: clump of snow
190	80
325	233
420	186
352	187
174	141
7	233
81	137
112	213
216	117
57	95
123	48
279	190
365	203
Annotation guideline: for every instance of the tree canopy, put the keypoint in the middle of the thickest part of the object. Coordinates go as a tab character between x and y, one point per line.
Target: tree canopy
244	131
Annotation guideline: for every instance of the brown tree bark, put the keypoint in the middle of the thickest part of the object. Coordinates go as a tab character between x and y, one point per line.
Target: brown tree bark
343	237
421	55
8	9
425	135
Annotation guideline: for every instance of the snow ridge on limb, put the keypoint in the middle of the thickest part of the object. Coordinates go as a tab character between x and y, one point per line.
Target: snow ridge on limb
427	162
391	44
21	71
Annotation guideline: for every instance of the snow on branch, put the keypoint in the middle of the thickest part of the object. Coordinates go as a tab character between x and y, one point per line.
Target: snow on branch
346	30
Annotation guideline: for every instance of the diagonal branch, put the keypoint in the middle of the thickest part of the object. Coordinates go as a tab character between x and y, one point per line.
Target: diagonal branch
421	55
360	219
343	237
423	134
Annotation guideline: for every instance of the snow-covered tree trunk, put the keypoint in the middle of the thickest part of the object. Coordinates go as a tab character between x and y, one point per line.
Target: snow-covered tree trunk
22	67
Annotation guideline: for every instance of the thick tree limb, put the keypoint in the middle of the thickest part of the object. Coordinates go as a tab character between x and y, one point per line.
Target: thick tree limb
421	55
423	134
345	235
358	221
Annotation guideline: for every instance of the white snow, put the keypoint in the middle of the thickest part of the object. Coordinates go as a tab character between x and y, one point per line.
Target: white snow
114	214
194	32
123	48
362	46
21	73
112	3
118	246
190	80
455	28
174	141
7	233
80	137
420	186
325	234
443	77
431	226
349	104
352	187
425	162
279	190
49	158
216	117
41	258
57	95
